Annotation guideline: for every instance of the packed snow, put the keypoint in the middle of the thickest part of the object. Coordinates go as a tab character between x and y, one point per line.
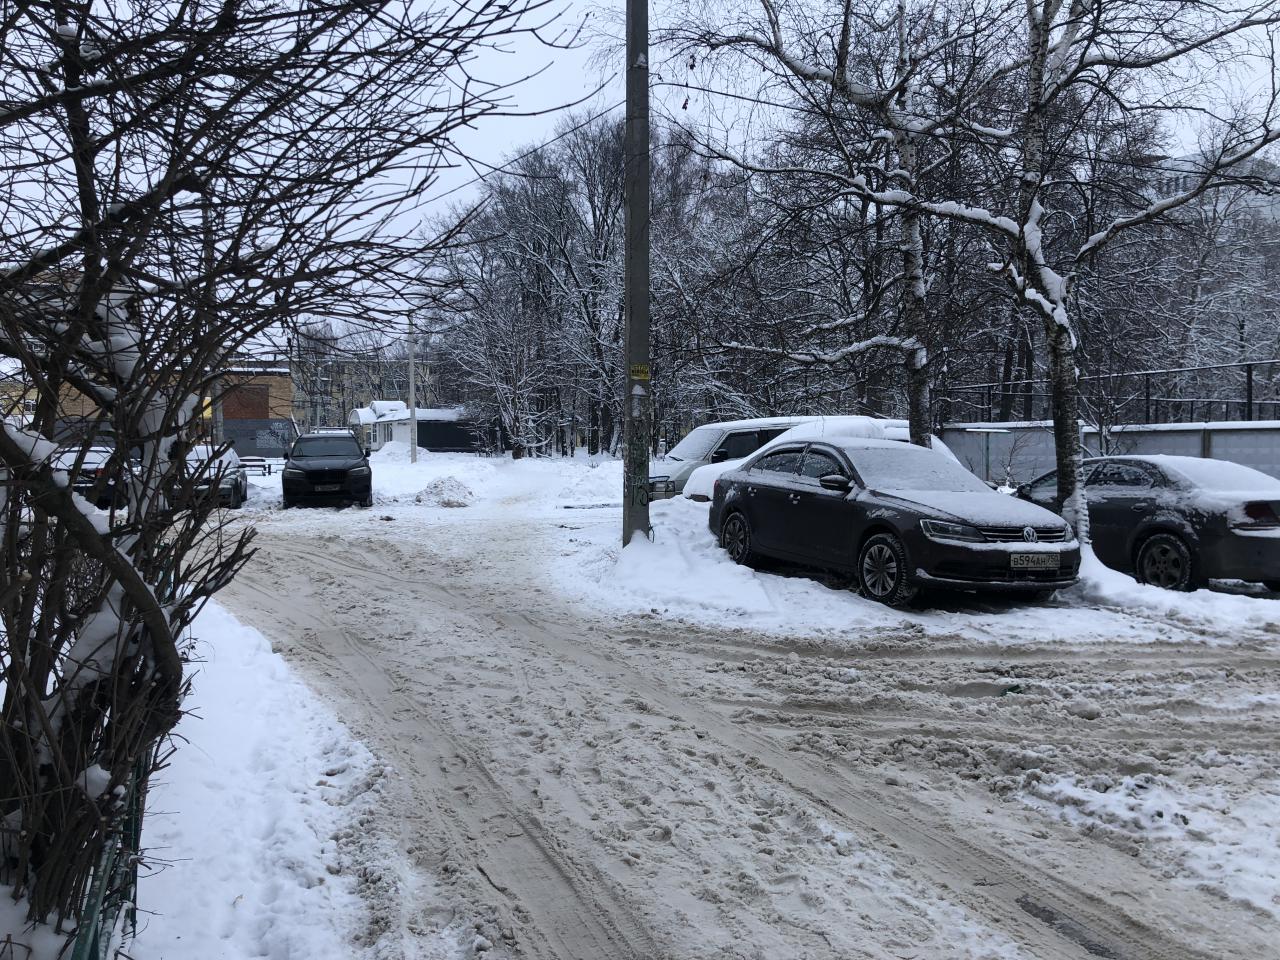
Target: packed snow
303	881
1048	724
260	837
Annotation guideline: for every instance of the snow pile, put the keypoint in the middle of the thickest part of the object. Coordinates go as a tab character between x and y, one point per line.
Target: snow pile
446	492
1099	585
685	575
536	483
1230	845
255	837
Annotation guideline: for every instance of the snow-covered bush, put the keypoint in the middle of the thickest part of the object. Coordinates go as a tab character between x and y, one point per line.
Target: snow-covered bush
180	183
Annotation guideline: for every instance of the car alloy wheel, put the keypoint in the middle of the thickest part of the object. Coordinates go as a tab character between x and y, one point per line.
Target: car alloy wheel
882	570
1164	561
735	537
879	570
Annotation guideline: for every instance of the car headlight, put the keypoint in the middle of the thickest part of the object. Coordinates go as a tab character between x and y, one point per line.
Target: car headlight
293	473
1070	533
942	530
360	471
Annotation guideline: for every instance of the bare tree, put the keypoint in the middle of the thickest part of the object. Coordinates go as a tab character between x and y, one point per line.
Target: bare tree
178	180
1012	83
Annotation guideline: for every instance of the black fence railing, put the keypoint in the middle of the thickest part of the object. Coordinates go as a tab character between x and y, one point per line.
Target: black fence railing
1248	390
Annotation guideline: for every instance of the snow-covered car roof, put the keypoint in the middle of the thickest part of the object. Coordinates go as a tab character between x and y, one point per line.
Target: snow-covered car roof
1205	471
203	451
94	456
756	422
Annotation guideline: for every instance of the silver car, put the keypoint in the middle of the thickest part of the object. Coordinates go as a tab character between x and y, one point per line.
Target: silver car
713	443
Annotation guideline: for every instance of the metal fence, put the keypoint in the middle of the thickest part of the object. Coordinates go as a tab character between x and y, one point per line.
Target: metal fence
1248	390
1018	451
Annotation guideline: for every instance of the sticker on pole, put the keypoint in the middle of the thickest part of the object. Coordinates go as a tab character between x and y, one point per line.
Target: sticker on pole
639	371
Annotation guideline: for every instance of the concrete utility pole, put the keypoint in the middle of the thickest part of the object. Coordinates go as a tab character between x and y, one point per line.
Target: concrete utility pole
635	494
413	397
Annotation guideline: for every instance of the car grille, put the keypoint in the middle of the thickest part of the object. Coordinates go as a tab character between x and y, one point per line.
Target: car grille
996	573
1014	534
326	476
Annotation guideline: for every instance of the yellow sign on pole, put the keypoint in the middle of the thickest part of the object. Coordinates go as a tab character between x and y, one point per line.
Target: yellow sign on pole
639	371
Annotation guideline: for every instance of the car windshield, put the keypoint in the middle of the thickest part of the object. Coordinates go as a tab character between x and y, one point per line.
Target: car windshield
912	468
326	447
1223	475
697	445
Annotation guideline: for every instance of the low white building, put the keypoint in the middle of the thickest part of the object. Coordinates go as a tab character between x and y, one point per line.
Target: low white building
385	420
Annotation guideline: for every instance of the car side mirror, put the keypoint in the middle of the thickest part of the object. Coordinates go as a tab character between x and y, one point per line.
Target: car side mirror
1024	491
719	456
368	452
834	481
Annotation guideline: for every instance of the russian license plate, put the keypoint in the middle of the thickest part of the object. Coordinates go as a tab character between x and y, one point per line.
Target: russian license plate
1035	561
328	487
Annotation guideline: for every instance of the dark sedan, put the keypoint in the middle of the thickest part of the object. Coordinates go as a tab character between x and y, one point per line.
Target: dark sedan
1178	521
329	467
97	474
898	517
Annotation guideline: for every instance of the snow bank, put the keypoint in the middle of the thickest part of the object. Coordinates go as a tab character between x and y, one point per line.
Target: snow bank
685	575
249	833
544	483
1099	585
1227	844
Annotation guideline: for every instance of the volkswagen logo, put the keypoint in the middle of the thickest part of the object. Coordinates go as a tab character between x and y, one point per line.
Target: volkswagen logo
1029	534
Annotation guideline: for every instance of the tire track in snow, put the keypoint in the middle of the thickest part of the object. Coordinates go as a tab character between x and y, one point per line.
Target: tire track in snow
956	856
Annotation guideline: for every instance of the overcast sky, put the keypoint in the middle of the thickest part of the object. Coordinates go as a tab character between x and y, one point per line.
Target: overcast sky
566	76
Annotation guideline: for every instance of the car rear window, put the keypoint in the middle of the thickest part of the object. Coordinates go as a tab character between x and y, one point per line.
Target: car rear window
912	468
326	447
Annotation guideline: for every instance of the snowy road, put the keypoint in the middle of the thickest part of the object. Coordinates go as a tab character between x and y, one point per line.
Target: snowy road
597	785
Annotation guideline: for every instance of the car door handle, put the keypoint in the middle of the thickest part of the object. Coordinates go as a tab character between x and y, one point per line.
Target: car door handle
1140	506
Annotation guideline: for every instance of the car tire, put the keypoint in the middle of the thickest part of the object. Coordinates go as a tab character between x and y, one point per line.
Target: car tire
736	539
1164	560
882	571
367	501
289	503
236	500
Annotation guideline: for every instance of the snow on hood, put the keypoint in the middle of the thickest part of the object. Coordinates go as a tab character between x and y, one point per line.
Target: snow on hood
702	482
987	508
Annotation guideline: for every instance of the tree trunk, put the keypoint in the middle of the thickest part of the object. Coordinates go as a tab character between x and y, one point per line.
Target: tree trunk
593	428
1065	392
1007	369
919	422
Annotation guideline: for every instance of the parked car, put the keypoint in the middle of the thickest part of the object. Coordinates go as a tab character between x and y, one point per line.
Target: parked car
95	478
713	443
896	516
701	482
327	467
225	472
1178	521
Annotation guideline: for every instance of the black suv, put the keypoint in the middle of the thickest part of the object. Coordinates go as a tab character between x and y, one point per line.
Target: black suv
328	467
